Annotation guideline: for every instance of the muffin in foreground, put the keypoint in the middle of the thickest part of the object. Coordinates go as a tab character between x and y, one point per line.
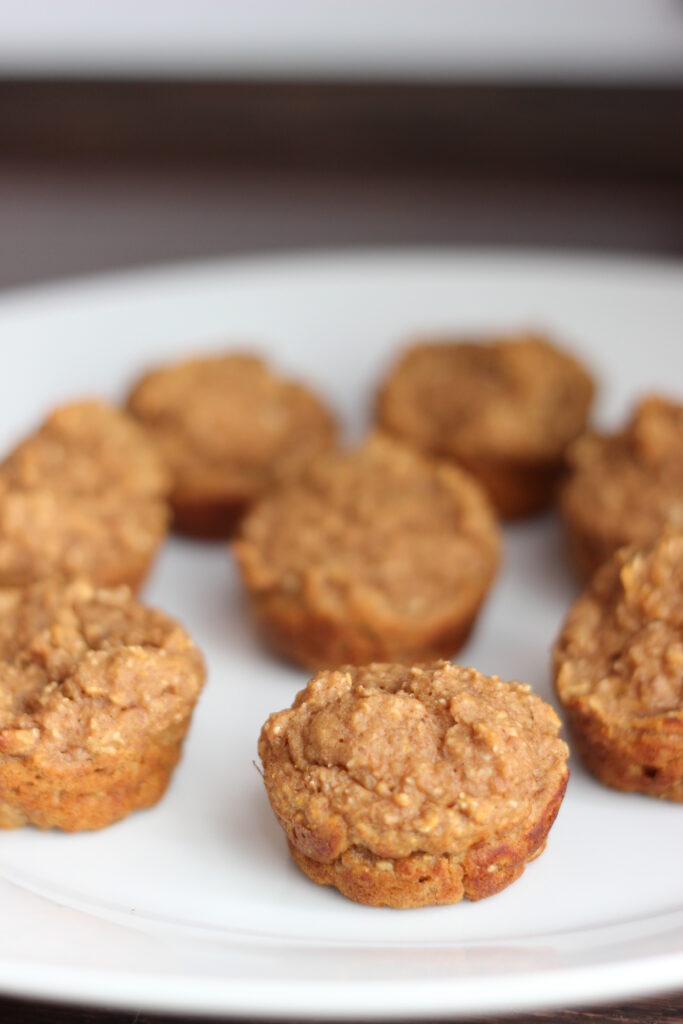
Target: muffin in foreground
408	787
228	428
375	554
96	696
505	409
83	496
619	670
624	488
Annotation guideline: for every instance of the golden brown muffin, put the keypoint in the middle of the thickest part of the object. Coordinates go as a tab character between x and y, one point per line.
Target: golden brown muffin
228	428
374	554
624	488
406	787
619	669
504	409
82	496
96	695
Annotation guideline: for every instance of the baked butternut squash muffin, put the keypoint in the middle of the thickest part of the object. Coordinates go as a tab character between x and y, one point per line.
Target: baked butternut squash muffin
228	428
624	488
406	787
619	669
83	496
375	553
504	408
96	695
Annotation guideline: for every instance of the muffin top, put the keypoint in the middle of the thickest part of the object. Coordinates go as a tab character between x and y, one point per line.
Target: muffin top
227	425
620	653
396	760
517	398
87	672
628	486
377	533
83	449
82	496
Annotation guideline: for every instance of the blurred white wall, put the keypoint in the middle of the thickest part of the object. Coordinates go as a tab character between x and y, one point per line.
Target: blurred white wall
518	40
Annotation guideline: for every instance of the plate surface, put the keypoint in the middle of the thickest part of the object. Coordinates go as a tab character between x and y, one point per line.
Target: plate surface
194	905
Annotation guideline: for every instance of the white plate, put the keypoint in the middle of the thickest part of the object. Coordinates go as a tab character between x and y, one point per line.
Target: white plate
195	905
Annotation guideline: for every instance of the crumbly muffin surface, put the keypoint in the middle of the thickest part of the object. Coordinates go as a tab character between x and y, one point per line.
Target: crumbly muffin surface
516	398
84	449
377	533
621	650
619	669
82	496
88	672
395	761
626	487
227	424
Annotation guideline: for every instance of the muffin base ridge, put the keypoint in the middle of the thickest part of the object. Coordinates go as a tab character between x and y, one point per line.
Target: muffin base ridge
516	489
422	880
87	797
215	519
294	633
632	764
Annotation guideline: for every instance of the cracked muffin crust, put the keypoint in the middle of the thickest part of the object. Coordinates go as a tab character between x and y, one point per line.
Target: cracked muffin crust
228	429
505	409
96	695
624	488
406	787
619	669
84	496
373	554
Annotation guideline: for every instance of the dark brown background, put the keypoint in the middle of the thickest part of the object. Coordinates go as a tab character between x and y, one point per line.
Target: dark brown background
96	175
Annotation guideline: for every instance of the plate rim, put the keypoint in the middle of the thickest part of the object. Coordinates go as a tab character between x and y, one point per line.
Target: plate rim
205	997
305	258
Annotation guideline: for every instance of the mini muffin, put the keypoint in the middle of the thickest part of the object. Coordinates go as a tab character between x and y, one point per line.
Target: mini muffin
84	496
624	488
619	669
406	787
96	695
504	409
373	554
228	428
